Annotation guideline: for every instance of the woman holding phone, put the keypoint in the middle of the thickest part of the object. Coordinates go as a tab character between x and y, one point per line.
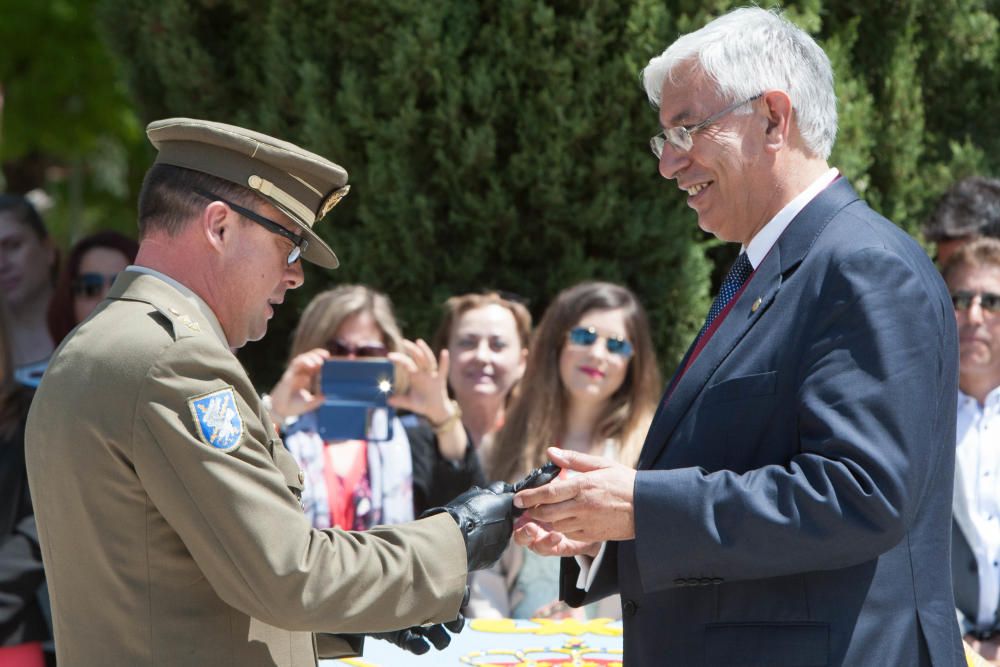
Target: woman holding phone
356	484
590	385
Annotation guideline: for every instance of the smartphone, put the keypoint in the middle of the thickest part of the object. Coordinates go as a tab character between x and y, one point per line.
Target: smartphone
354	406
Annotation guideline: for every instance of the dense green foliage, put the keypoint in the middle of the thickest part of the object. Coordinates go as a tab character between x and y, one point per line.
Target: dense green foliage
504	143
66	121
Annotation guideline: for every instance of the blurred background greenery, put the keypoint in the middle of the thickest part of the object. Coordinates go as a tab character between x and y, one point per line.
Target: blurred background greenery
490	144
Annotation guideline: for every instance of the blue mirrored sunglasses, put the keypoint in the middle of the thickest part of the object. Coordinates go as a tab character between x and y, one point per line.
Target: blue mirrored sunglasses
587	336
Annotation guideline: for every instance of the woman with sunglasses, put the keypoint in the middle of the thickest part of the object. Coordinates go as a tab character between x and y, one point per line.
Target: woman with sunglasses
92	265
590	385
357	484
486	335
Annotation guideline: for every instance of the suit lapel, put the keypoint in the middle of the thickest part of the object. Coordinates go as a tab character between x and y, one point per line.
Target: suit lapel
787	253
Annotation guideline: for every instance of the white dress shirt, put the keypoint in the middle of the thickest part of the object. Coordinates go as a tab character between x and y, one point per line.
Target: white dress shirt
756	251
977	496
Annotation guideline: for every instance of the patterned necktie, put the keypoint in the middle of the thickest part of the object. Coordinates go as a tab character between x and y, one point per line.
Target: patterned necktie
737	275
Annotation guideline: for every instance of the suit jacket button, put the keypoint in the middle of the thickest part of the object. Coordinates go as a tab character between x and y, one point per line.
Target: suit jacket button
717	580
705	581
629	608
680	582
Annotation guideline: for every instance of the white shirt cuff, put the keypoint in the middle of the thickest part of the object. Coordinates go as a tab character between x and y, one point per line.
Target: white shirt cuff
588	568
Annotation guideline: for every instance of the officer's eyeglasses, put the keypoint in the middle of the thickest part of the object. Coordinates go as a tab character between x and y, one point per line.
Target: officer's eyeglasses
587	336
93	285
339	348
679	137
299	243
988	301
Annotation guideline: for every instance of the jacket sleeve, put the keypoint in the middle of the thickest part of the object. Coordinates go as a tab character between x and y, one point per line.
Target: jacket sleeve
877	363
436	480
240	521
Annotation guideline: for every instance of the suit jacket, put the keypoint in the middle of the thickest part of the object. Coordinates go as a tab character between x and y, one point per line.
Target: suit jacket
793	496
162	548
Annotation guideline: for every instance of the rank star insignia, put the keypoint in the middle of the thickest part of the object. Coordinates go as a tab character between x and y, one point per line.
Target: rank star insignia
217	419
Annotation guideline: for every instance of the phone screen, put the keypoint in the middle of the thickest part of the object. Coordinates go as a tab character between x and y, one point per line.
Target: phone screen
354	400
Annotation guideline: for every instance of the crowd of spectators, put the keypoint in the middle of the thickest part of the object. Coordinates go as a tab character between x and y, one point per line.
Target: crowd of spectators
481	403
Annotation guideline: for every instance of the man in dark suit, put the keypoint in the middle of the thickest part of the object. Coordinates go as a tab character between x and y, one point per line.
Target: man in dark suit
791	504
973	278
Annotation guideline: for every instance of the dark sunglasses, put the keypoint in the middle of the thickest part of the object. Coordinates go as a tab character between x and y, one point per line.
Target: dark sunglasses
962	300
339	348
92	284
299	244
587	336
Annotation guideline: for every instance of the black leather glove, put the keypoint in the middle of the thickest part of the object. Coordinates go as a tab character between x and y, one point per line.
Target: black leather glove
486	516
418	639
486	519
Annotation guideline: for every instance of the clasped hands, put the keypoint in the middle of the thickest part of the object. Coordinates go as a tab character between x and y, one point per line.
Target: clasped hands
575	514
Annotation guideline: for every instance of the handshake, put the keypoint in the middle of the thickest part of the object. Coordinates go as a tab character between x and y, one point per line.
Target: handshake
486	516
486	519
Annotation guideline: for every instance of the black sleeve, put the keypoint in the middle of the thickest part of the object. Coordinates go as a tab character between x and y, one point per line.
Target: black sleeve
21	572
436	480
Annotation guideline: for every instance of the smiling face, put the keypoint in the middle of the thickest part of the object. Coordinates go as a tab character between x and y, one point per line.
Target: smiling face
978	329
591	373
723	174
487	358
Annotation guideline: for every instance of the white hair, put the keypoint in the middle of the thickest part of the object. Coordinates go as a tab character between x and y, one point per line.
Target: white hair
752	50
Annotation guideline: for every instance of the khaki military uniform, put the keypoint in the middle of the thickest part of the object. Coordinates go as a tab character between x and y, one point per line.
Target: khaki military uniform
167	544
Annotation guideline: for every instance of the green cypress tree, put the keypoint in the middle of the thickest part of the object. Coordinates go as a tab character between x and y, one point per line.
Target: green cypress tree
504	143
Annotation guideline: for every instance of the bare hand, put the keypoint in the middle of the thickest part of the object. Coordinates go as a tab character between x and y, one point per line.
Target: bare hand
544	541
428	391
293	395
593	506
987	648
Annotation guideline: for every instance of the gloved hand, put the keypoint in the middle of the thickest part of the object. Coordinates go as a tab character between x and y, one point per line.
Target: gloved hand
418	639
486	519
486	516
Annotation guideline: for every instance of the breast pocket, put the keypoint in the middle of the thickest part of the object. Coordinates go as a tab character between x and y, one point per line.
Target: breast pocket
289	467
740	388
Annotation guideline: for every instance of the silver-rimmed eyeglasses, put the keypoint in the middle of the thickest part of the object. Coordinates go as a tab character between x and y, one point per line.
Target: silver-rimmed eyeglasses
679	137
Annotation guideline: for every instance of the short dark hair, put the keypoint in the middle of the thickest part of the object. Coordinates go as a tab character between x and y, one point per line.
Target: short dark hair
168	198
981	253
970	207
24	212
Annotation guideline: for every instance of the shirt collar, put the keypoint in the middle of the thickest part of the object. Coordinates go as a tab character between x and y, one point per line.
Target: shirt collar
765	239
188	294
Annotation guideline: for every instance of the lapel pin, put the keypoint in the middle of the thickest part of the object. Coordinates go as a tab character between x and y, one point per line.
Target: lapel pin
755	306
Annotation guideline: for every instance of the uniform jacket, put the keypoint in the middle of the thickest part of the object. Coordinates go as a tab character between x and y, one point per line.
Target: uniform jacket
793	496
161	549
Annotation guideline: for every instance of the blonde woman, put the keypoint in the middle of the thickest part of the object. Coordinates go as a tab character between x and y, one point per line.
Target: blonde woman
590	385
486	336
358	484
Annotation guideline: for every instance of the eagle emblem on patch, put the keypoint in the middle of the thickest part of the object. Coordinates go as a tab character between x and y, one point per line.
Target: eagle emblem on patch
217	418
332	201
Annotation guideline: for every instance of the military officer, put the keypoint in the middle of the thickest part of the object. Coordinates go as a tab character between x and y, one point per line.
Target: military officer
168	509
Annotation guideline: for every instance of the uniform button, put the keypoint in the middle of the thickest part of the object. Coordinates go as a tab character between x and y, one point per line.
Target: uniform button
629	607
302	477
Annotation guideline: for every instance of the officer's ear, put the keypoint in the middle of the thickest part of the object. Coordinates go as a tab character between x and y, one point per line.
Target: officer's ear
216	223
